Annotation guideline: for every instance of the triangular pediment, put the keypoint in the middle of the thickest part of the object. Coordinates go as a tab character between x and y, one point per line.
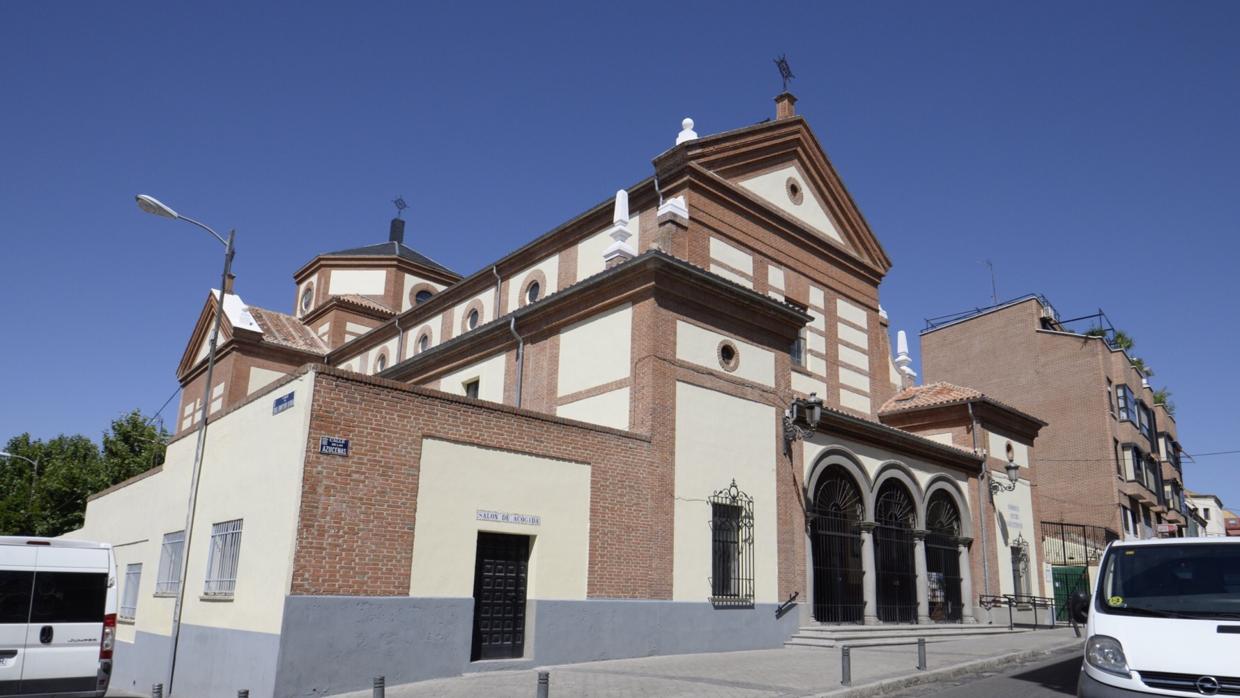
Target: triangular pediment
200	338
782	165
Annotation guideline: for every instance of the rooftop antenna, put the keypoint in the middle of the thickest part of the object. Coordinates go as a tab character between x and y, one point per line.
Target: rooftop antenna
994	291
399	201
785	72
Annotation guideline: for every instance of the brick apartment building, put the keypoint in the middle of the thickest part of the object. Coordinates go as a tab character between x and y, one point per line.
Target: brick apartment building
667	425
1109	461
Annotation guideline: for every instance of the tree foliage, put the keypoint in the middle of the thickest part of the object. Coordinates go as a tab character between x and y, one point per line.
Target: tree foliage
1162	396
70	468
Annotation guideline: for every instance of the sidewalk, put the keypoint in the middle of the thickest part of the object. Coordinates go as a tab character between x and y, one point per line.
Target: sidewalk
794	671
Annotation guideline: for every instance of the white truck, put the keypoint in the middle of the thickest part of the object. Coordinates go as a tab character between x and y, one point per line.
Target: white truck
57	617
1164	620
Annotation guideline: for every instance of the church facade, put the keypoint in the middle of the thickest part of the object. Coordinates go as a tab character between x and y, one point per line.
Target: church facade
672	424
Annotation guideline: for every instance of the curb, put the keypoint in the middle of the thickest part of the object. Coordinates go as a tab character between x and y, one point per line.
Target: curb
878	688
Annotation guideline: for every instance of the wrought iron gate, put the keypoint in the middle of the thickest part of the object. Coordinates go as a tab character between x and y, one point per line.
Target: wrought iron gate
835	544
896	579
943	559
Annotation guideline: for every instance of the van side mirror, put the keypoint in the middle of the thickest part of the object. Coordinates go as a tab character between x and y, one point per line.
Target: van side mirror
1078	606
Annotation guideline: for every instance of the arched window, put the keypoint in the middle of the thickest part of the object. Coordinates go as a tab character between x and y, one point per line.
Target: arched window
380	363
471	320
422	296
424	343
307	297
533	291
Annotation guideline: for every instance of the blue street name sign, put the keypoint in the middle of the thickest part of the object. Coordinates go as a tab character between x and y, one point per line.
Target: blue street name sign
333	446
282	403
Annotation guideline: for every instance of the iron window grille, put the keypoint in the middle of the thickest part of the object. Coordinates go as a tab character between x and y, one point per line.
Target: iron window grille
168	578
225	553
129	604
731	525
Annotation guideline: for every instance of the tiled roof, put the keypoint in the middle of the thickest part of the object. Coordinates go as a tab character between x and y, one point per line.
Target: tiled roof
286	330
391	249
365	302
930	395
941	393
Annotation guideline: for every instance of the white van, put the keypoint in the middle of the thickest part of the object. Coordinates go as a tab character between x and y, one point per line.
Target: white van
57	617
1164	620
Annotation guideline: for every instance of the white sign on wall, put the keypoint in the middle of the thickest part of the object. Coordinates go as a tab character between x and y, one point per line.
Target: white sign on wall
1013	517
509	517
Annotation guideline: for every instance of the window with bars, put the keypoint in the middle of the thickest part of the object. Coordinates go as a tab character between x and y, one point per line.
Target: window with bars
225	553
731	526
129	603
168	580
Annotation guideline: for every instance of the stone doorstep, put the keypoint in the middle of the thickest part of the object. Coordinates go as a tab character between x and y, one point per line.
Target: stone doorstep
908	630
883	686
820	637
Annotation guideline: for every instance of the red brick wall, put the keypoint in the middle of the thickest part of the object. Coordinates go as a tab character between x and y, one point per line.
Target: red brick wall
356	525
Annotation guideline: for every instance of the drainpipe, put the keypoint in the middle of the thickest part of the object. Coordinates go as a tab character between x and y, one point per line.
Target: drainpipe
512	327
981	502
400	336
498	283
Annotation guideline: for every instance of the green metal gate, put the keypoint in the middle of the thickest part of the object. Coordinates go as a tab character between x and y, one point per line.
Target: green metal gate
1067	580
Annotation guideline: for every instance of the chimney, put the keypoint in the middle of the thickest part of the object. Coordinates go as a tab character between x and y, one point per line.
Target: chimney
397	231
785	106
228	283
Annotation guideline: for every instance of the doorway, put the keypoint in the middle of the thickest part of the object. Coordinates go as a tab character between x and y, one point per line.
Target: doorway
500	568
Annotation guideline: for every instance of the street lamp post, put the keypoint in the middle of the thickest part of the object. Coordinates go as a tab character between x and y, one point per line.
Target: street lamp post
153	206
34	481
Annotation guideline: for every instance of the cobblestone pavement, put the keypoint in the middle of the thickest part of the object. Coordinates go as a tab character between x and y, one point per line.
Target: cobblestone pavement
793	671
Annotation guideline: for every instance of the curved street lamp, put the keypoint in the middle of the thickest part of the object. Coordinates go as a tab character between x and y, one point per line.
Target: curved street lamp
154	206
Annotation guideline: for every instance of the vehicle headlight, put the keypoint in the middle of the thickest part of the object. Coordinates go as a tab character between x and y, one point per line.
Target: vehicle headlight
1105	653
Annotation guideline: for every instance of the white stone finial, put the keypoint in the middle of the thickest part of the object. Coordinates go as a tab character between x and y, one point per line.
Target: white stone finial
882	312
620	216
903	361
686	131
620	250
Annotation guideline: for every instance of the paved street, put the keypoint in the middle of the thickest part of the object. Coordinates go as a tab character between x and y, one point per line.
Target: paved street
1033	678
781	673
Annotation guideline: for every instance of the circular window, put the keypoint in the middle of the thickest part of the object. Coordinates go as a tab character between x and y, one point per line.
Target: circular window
380	363
422	296
795	193
532	293
424	343
307	297
471	320
729	357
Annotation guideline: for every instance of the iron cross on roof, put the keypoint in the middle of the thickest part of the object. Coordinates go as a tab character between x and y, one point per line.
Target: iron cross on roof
400	205
785	71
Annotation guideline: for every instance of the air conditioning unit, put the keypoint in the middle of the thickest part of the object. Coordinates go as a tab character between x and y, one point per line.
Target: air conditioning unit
1048	313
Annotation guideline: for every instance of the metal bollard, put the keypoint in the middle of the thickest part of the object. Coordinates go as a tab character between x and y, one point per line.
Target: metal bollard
544	684
846	669
379	686
243	693
921	654
157	691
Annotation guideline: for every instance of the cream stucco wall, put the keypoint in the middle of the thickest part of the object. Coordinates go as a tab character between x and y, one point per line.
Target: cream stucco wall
456	481
852	313
996	445
610	409
718	438
367	282
251	471
772	186
487	298
1013	515
700	346
731	255
808	384
596	351
731	275
550	267
590	251
261	378
490	374
409	282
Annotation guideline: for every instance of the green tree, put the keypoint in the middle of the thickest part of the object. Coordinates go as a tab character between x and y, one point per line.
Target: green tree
1162	396
50	499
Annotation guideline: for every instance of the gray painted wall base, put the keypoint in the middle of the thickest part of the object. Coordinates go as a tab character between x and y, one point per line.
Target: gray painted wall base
210	662
336	644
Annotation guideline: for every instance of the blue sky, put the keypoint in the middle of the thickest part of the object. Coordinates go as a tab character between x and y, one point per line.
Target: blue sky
1088	149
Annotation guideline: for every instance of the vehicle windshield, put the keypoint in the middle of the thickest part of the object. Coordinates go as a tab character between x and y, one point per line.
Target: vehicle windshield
1179	581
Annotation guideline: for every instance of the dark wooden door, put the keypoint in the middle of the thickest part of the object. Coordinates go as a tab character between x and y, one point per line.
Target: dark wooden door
499	596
